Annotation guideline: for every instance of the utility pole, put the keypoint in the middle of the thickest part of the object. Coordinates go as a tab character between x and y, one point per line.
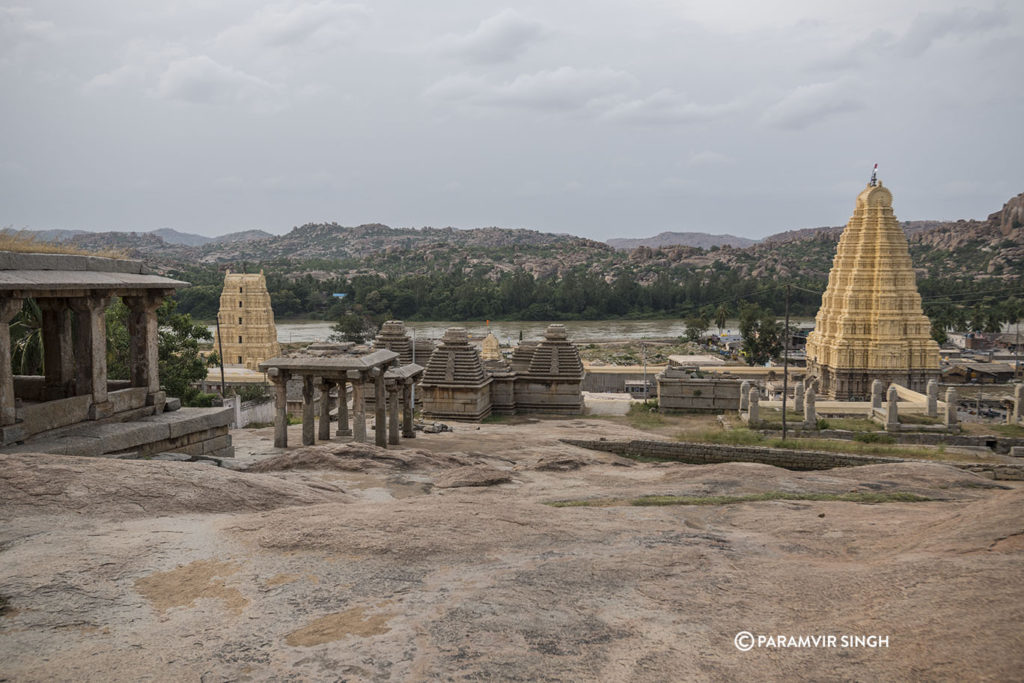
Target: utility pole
785	365
643	352
220	352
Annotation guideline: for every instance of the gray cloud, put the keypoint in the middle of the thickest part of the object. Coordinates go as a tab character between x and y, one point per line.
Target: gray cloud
811	104
283	25
201	80
499	38
563	89
666	107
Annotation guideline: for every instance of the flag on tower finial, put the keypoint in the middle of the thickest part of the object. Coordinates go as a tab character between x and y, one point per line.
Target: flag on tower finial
874	176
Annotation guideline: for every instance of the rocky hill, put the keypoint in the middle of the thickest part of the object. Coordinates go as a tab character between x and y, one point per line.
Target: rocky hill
701	240
942	250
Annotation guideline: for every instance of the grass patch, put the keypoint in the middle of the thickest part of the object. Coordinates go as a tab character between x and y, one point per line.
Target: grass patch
854	424
644	416
1007	430
866	497
27	243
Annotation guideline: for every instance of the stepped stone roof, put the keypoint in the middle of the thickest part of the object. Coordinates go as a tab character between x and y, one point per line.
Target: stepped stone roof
522	355
393	337
870	316
555	356
455	362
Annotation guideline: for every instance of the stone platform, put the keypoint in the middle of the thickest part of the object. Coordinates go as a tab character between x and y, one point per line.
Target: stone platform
192	431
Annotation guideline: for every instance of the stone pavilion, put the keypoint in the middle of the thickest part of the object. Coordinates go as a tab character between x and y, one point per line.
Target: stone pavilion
73	408
870	325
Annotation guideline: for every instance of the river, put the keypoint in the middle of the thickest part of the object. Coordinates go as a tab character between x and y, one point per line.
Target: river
580	331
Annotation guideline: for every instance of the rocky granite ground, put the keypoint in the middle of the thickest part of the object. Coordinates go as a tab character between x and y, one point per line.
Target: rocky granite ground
443	560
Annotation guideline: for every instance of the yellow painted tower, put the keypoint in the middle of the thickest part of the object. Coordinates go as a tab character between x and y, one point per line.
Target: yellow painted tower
249	335
870	325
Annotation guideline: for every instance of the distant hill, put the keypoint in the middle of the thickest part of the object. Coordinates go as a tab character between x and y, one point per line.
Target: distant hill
242	236
701	240
188	239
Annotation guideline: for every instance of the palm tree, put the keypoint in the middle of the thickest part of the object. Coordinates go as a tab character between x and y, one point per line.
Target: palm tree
27	340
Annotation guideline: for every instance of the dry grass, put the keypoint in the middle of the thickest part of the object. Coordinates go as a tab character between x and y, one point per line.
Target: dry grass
867	497
26	243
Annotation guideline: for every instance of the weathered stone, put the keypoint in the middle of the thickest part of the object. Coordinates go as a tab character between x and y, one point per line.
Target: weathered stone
472	475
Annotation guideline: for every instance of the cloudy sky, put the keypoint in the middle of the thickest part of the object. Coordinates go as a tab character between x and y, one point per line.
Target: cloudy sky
594	117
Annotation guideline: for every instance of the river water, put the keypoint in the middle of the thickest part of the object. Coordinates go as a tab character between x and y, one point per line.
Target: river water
580	331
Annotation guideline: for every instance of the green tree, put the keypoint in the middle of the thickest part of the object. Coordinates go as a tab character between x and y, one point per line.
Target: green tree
762	335
696	327
721	316
181	365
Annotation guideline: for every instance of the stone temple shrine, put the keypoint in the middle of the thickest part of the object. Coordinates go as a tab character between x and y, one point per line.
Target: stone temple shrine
248	335
870	325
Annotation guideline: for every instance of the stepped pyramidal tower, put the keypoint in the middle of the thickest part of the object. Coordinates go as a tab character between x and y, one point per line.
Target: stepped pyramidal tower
247	330
870	325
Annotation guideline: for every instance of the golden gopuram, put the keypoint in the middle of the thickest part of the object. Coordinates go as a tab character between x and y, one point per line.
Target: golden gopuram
870	325
248	335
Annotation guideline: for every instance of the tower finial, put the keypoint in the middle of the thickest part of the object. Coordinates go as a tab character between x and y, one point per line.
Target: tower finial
874	176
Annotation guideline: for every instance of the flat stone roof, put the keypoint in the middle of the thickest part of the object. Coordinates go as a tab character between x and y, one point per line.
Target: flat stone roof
16	260
318	365
34	282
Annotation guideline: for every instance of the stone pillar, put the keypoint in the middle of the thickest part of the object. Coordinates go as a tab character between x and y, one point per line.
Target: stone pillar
280	379
379	407
932	398
308	426
91	350
343	428
744	395
892	415
753	407
143	338
58	354
8	309
876	394
798	397
392	387
407	410
949	417
358	406
324	428
810	409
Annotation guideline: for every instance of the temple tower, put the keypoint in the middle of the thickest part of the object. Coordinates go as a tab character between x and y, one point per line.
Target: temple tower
870	325
455	385
248	332
393	337
549	375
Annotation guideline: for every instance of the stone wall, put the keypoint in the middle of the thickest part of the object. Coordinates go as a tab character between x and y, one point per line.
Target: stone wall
684	394
707	454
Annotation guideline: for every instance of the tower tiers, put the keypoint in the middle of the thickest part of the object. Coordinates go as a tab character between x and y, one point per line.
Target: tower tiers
248	334
870	325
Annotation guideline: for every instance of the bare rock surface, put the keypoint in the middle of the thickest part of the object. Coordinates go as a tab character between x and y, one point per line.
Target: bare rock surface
472	475
400	580
357	458
43	484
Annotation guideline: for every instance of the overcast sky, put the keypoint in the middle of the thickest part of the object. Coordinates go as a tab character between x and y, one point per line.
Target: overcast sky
598	118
